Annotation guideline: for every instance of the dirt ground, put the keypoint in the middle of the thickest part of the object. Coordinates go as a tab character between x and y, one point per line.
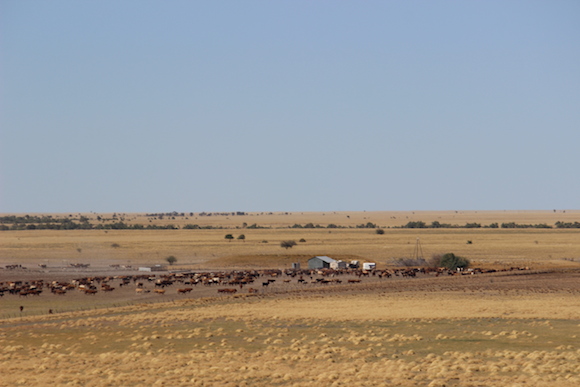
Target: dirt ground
510	283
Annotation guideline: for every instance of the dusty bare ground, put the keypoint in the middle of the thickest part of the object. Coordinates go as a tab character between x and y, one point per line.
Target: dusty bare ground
513	328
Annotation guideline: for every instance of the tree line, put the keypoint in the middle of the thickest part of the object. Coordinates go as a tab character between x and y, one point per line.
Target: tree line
436	224
48	222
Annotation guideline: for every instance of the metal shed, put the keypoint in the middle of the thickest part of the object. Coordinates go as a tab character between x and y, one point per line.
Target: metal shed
320	262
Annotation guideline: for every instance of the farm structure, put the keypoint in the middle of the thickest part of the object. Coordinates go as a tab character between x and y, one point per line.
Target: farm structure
153	268
369	266
321	262
336	265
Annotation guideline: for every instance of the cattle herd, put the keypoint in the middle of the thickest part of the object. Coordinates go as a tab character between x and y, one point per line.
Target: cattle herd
227	282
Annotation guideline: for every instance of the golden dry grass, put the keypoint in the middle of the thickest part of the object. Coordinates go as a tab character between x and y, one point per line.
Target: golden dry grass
528	247
507	329
308	341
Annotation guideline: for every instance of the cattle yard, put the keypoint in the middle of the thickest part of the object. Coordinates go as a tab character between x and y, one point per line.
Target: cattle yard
233	313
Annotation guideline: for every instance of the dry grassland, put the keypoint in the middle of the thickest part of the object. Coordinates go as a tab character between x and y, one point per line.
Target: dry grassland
385	339
503	329
343	218
261	248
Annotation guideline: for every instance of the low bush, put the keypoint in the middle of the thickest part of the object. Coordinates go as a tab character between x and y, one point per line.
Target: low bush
287	244
450	261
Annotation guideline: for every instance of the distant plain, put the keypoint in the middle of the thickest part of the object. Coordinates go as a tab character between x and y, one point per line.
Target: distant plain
513	327
200	248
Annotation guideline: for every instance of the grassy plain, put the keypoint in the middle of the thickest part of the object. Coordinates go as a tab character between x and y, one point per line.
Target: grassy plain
511	328
414	338
261	248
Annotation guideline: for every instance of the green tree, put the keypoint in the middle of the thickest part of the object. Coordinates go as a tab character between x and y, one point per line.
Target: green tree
452	261
242	237
171	259
229	237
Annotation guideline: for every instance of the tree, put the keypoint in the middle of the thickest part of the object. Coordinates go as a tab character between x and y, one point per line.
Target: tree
229	237
287	244
242	237
380	231
451	261
418	224
171	259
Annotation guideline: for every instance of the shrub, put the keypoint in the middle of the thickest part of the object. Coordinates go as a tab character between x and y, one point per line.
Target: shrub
380	231
418	224
287	244
409	262
171	259
452	261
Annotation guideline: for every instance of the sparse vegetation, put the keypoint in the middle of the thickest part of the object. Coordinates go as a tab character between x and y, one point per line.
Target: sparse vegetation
400	340
287	244
450	261
410	262
171	259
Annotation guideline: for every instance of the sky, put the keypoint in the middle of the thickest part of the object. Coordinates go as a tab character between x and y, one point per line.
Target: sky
154	106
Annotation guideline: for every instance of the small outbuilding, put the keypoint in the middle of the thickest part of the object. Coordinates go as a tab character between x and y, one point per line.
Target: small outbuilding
320	262
369	266
336	265
153	268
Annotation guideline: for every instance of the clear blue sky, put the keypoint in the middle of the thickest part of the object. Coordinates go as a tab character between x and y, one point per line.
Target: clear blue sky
139	106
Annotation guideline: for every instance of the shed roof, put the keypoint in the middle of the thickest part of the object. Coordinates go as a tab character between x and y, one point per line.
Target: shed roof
324	258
